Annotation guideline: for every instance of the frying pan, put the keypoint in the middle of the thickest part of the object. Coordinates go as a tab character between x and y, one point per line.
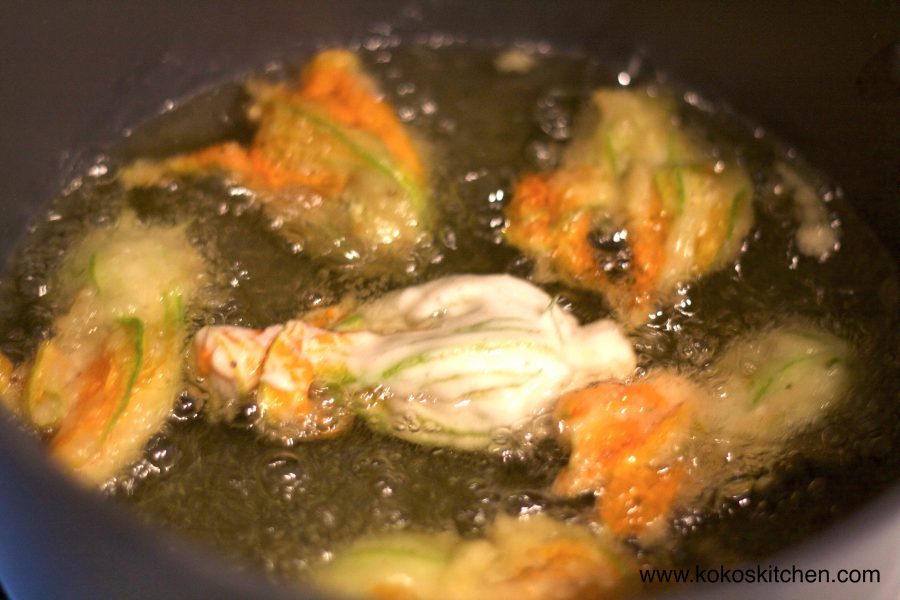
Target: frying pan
824	76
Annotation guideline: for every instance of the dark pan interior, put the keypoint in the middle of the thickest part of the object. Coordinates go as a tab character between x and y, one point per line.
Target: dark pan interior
825	76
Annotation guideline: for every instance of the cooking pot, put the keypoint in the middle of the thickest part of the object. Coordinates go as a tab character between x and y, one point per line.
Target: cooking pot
76	76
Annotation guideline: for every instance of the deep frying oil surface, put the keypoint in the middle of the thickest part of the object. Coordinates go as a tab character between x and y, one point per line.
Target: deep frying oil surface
283	508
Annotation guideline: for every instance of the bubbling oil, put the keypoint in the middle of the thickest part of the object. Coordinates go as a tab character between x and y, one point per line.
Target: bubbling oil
284	507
